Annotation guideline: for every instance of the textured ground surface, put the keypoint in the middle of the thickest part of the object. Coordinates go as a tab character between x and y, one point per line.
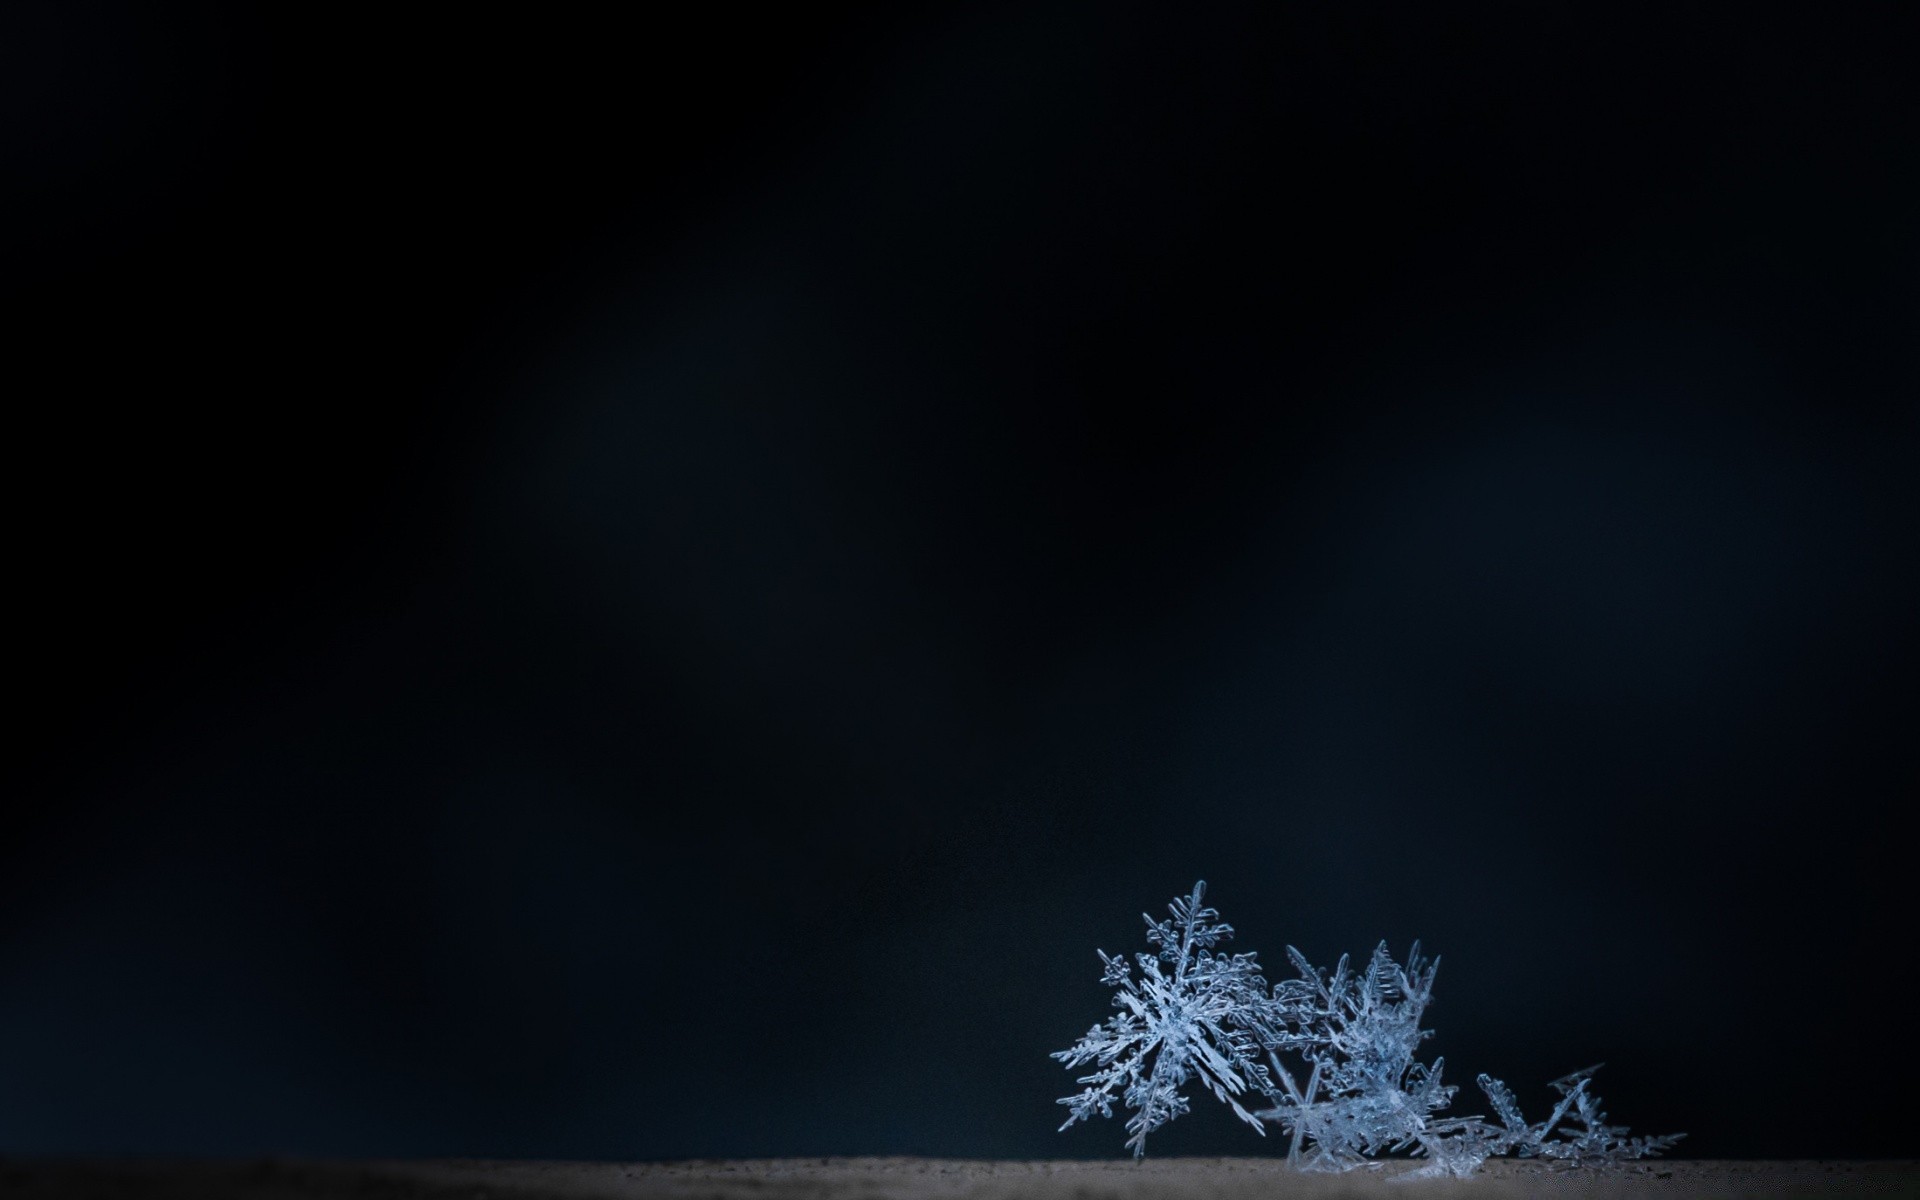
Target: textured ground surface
920	1179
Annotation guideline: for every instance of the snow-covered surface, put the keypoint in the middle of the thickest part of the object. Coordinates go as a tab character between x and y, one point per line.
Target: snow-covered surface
928	1179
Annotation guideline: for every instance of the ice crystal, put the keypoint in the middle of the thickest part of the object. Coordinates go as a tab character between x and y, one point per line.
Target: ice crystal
1586	1138
1195	1013
1188	1013
1367	1094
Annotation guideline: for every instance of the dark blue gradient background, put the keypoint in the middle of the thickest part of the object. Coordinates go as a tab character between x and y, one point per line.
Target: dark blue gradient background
654	589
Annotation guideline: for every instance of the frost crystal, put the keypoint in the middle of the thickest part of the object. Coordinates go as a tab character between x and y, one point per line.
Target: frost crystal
1366	1092
1190	1012
1587	1139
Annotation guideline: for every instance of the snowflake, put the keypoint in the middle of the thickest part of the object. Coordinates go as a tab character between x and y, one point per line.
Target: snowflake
1189	1013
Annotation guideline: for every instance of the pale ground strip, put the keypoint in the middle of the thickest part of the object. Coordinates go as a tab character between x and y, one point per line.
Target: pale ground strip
927	1179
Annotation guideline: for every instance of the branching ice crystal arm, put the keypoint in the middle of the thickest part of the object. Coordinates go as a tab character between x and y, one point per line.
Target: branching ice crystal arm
1504	1105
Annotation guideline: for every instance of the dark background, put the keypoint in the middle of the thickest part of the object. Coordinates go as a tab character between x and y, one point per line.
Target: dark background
654	589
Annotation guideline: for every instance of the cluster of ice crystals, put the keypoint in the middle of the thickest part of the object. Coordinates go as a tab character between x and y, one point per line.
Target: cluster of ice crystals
1192	1013
1366	1093
1577	1131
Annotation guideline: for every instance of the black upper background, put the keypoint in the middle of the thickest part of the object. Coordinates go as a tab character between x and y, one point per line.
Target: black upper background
654	588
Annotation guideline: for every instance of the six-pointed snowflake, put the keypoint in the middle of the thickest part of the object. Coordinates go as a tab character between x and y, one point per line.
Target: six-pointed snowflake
1189	1013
